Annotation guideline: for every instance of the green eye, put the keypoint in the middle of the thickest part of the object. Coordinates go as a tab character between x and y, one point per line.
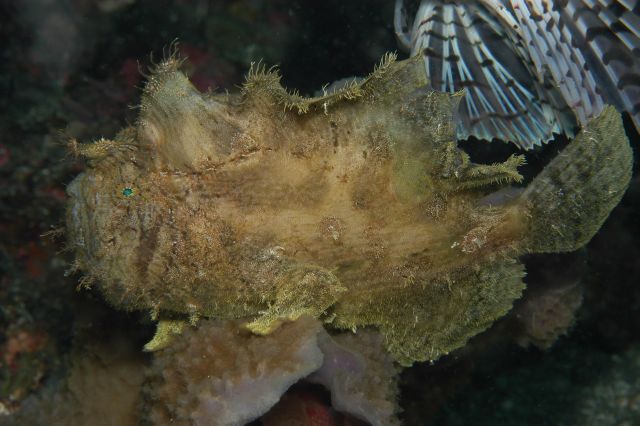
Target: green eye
128	192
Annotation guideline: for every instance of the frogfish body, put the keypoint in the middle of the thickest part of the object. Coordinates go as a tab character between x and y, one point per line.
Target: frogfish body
356	207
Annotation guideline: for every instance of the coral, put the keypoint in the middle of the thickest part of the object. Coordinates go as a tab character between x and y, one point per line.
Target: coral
355	207
548	313
360	375
576	385
301	408
614	399
217	371
23	363
103	387
221	371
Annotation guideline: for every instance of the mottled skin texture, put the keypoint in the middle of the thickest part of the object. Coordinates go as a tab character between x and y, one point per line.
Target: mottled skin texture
357	208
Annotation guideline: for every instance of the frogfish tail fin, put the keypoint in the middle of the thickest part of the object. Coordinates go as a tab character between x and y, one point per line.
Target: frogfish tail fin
571	198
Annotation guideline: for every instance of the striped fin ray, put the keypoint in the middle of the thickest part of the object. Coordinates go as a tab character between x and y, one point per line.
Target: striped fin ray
402	24
558	60
549	46
465	46
608	33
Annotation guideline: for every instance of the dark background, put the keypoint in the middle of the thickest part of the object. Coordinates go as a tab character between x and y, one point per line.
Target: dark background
71	68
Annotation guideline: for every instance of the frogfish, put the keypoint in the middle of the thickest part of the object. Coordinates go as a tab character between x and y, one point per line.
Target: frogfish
356	207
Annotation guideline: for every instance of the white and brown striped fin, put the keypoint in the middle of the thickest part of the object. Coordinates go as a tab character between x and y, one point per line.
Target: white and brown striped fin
466	46
531	67
588	49
402	22
549	45
608	34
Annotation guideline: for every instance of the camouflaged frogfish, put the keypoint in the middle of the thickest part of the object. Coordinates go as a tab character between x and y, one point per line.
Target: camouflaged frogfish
356	207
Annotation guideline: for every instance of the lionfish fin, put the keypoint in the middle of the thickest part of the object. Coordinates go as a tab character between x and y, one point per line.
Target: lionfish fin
608	32
467	47
401	24
555	59
531	67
